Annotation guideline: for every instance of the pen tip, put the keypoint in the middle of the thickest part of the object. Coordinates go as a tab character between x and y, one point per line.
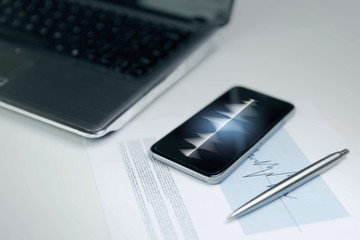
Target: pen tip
234	215
229	218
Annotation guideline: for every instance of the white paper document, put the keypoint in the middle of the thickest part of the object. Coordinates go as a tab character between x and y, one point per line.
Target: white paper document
145	199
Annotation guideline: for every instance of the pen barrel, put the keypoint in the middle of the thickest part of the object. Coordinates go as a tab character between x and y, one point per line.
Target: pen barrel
290	183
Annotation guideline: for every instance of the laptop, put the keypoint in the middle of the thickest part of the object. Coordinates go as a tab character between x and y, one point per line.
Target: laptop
90	66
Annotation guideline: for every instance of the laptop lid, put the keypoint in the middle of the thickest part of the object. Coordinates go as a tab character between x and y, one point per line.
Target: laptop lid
90	100
212	11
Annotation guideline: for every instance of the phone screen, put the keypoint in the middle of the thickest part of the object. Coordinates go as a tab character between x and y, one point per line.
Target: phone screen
217	136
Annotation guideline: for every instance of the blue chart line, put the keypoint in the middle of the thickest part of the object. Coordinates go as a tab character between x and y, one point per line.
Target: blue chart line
267	169
277	159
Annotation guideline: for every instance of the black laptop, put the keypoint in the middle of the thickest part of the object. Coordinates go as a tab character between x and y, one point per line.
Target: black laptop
89	66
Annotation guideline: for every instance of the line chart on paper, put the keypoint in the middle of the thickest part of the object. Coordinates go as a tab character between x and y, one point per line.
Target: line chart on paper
277	159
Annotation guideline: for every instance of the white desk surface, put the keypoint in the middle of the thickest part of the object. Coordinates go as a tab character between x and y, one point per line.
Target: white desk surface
289	49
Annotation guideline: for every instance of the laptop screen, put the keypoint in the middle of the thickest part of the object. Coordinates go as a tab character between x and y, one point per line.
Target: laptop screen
215	11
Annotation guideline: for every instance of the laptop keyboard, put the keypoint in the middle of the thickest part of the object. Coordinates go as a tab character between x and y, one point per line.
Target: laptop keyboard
116	41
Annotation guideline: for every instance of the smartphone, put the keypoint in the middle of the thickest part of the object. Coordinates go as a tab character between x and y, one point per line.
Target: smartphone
216	140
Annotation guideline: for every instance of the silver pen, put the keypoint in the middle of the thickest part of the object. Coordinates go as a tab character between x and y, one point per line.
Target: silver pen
290	183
